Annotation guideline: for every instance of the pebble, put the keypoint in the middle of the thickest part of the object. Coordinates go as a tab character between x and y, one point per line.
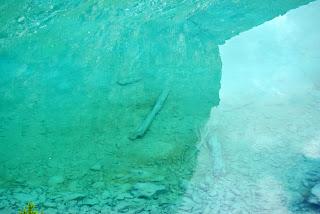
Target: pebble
21	19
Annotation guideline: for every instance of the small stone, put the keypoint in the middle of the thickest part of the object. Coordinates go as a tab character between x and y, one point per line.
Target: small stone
56	180
21	19
96	167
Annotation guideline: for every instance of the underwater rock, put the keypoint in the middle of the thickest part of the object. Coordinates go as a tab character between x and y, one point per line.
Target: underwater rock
73	196
96	167
128	81
123	196
147	190
90	202
314	198
123	207
21	19
216	153
55	180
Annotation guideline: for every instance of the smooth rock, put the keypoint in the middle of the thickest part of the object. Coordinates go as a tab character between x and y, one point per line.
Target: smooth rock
50	204
123	196
123	206
90	202
73	196
21	19
147	190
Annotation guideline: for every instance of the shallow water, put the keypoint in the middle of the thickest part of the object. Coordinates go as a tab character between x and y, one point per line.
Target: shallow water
232	90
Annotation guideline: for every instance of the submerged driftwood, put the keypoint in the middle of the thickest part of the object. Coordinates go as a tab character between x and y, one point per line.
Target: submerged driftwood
128	81
143	128
216	155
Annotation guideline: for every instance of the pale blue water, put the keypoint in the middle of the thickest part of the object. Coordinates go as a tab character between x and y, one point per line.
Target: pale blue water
160	106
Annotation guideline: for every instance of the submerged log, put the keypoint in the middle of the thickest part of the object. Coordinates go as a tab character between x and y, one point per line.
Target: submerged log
143	128
128	81
216	155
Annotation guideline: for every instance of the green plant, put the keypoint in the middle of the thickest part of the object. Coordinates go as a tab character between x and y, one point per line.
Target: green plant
30	208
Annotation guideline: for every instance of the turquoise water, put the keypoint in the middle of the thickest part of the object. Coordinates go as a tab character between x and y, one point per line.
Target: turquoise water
160	106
